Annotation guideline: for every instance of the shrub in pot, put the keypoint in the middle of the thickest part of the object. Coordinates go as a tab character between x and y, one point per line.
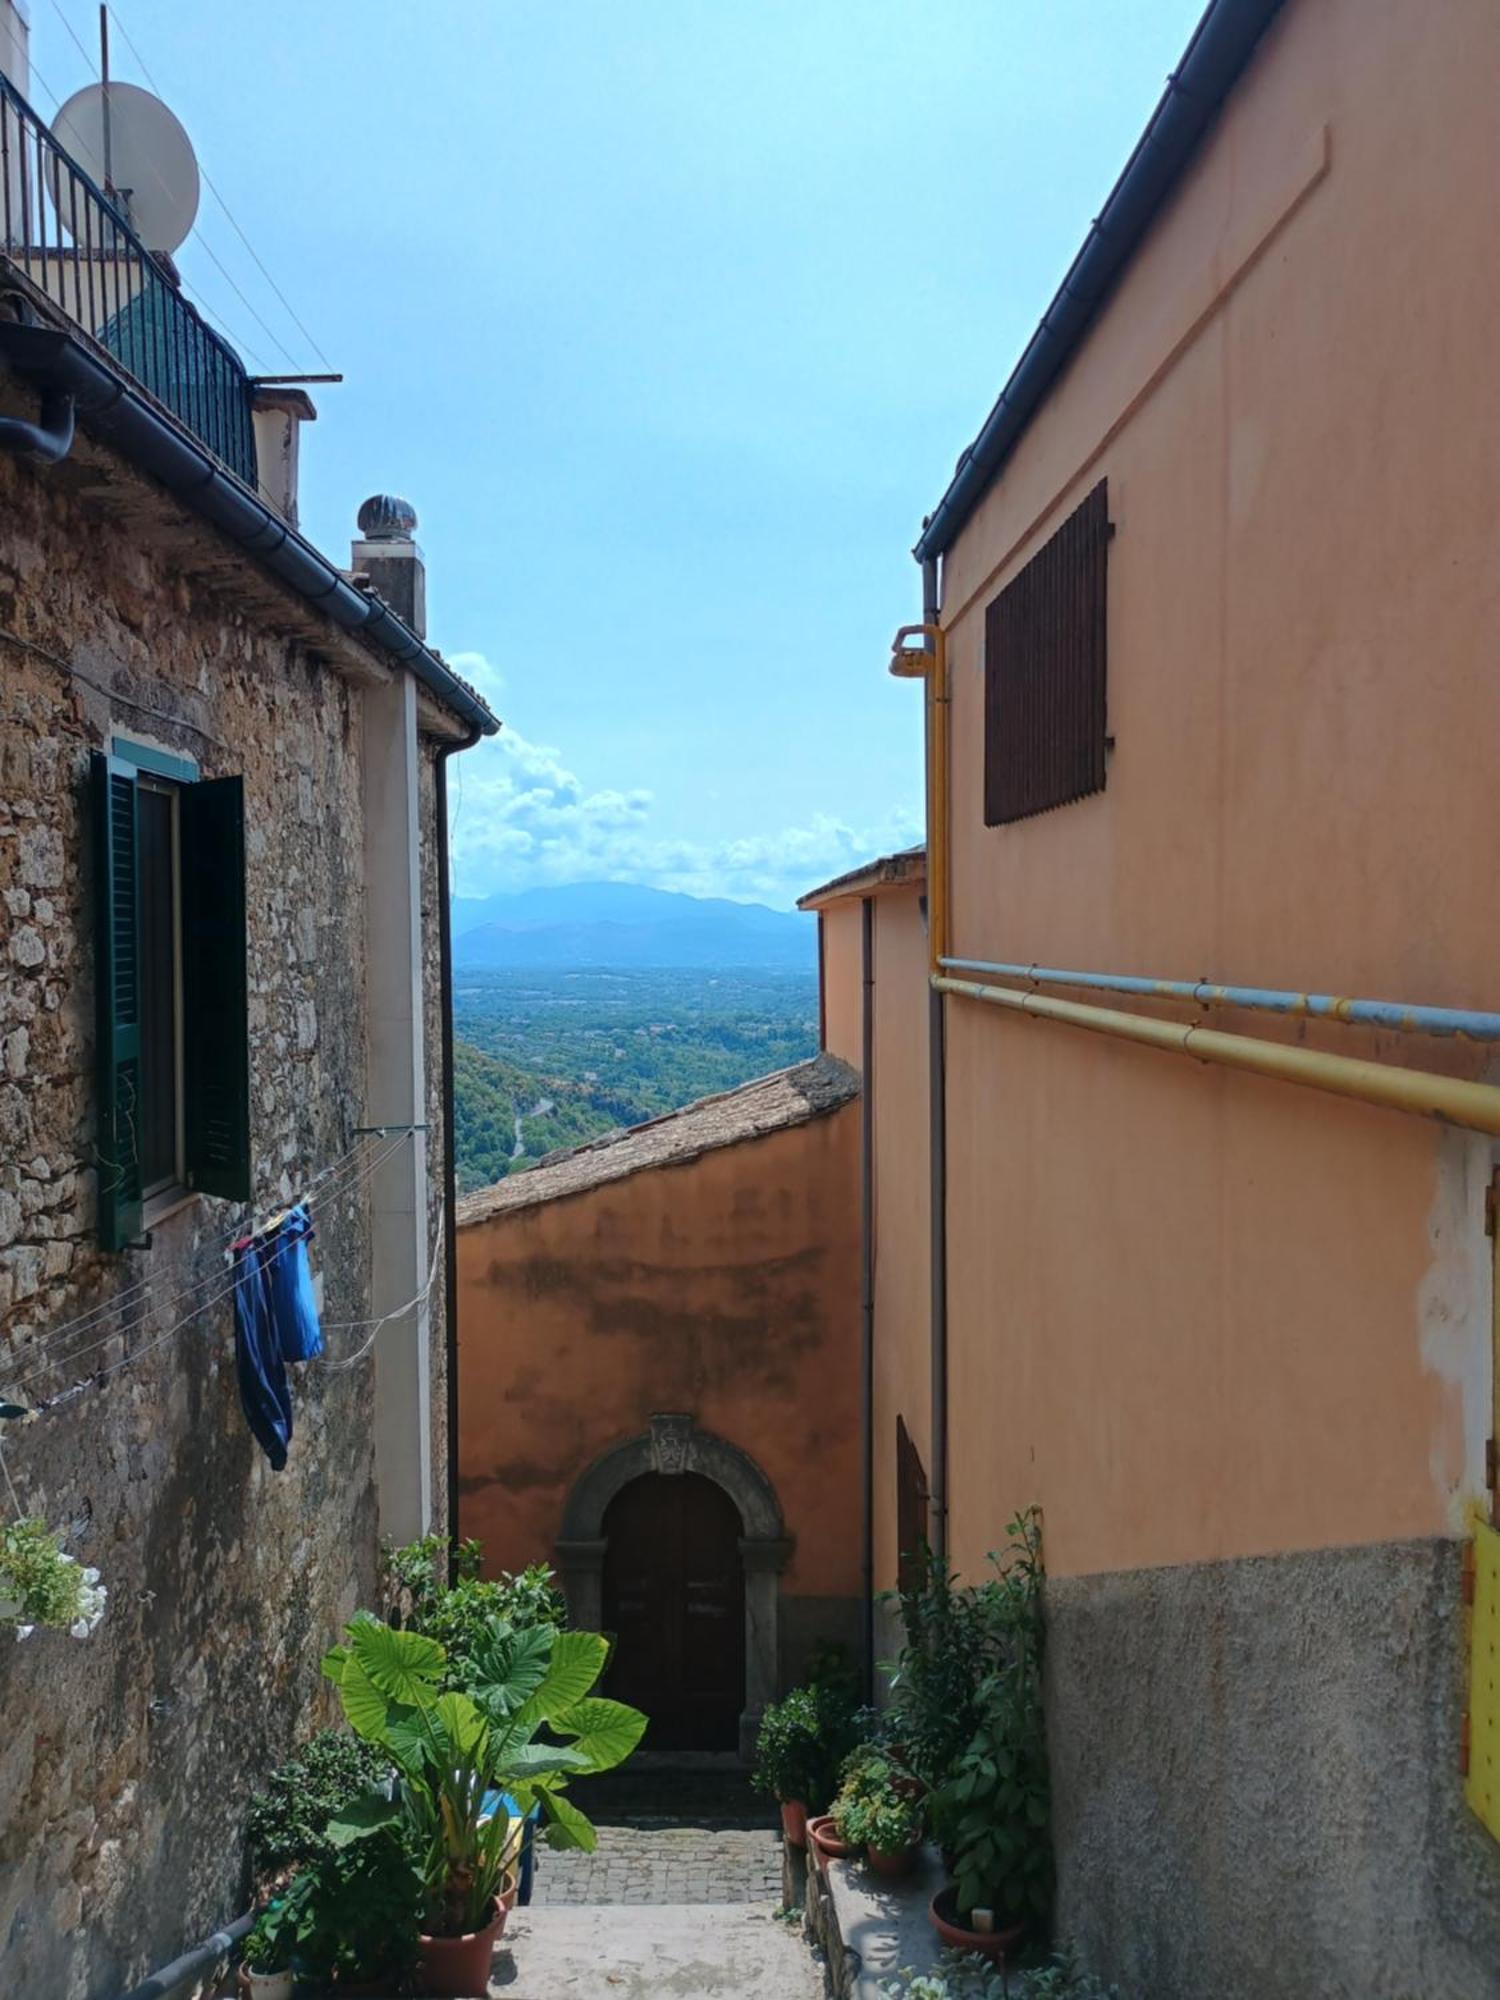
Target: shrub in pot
802	1741
288	1820
266	1966
353	1916
453	1747
887	1825
992	1814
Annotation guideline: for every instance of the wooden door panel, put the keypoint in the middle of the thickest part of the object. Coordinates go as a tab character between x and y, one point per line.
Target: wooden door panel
674	1596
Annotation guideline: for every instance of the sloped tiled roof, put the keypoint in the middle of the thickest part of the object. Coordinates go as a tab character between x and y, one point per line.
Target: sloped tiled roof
769	1104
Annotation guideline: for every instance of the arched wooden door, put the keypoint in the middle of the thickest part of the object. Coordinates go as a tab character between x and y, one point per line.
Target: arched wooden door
674	1597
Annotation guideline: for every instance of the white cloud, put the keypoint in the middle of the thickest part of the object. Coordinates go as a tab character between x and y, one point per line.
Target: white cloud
521	819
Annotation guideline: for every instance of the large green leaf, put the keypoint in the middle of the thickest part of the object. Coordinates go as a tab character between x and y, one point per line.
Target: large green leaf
577	1661
509	1667
531	1760
605	1732
463	1725
363	1703
569	1827
361	1818
403	1665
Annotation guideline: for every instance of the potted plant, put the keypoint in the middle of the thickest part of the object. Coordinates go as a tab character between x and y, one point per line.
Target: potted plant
453	1748
266	1967
798	1749
42	1585
992	1814
350	1917
888	1825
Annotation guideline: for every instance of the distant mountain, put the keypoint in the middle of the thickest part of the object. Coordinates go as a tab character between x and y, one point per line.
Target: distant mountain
622	924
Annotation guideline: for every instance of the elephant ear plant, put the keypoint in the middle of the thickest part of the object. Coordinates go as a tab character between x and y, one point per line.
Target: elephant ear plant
452	1749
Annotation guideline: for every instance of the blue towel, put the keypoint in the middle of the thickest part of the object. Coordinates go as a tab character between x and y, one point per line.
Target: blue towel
294	1311
264	1394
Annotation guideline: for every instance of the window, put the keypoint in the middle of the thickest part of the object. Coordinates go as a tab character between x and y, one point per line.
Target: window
1044	673
912	1524
172	1047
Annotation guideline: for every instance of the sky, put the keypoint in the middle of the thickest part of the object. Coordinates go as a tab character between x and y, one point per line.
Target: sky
670	317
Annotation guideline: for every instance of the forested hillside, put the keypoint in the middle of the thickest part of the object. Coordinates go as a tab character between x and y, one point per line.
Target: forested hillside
549	1059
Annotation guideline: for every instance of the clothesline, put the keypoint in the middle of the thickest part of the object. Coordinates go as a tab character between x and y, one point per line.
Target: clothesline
144	1285
339	1182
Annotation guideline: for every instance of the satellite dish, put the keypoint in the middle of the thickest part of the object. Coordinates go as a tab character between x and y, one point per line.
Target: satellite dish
151	166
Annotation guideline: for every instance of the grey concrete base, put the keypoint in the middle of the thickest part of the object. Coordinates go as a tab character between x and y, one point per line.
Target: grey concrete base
657	1953
1256	1785
869	1929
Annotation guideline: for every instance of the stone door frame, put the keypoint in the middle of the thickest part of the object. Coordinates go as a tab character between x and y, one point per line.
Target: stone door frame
672	1445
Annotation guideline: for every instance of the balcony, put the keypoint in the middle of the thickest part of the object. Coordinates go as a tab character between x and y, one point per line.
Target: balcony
75	252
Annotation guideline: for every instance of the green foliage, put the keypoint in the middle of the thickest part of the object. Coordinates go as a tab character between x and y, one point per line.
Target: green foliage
935	1683
574	1054
874	1806
962	1975
270	1945
452	1746
354	1914
993	1812
288	1821
803	1740
419	1600
42	1585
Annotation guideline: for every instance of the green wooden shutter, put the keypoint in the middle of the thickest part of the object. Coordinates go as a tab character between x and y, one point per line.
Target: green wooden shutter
215	1031
118	992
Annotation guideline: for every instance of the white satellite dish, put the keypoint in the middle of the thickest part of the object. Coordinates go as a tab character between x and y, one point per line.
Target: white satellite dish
150	163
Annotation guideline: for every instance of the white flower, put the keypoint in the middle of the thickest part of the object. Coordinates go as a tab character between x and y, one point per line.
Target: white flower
91	1576
24	1631
81	1630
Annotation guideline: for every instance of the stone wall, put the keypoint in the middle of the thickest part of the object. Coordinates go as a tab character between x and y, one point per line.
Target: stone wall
127	1759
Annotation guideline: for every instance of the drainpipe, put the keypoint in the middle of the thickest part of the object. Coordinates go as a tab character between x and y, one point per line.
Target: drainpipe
195	1963
450	1141
867	1293
937	1055
49	440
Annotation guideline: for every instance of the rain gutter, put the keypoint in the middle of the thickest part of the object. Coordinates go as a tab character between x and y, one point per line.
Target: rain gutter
1222	44
158	445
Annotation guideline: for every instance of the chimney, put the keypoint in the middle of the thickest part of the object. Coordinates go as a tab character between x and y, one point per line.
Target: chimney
388	556
278	414
15	31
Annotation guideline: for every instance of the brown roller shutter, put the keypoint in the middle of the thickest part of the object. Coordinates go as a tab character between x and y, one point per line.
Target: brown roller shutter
1044	673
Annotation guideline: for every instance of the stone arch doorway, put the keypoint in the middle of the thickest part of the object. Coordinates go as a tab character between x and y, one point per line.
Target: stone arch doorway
672	1449
674	1598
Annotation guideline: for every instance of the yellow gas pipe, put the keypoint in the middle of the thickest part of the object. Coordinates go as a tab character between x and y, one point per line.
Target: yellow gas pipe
1474	1106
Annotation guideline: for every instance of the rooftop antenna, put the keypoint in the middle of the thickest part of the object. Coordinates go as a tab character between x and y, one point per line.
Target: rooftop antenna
135	148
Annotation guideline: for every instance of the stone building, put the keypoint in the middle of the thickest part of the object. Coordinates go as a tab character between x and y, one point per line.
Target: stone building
658	1389
223	947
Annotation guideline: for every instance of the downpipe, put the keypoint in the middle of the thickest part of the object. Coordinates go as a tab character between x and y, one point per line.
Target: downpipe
195	1963
867	1294
45	442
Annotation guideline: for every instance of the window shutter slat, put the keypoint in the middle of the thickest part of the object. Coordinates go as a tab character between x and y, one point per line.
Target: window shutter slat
1044	673
216	1047
117	1035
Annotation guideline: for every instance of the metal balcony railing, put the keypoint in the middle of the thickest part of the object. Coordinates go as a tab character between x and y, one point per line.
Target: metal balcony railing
64	235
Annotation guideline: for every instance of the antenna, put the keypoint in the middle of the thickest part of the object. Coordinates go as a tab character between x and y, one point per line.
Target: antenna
134	147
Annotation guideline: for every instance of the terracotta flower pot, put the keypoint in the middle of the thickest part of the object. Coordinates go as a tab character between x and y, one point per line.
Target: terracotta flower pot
458	1968
794	1822
891	1865
942	1911
826	1843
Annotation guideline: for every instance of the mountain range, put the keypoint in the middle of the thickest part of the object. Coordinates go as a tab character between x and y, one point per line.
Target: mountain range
622	924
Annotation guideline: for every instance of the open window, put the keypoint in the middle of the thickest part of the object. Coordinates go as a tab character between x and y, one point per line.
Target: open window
172	1046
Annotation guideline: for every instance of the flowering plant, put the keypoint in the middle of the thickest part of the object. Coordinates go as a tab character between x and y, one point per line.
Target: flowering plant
41	1585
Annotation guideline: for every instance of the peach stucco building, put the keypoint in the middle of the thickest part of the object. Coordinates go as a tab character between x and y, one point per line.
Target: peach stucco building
1213	601
658	1391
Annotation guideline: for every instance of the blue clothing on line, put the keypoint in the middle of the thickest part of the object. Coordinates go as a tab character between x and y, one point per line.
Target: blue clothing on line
294	1311
259	1370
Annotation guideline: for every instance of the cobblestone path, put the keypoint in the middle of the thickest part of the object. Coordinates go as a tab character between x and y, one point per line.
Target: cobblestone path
664	1865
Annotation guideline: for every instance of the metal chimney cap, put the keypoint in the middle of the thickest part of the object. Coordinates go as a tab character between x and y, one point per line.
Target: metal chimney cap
385	518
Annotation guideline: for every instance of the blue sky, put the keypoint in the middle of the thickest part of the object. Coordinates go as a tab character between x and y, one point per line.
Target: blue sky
670	317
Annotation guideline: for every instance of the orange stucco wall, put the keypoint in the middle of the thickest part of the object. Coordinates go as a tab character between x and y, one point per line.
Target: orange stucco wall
1193	1314
843	957
727	1287
900	1097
